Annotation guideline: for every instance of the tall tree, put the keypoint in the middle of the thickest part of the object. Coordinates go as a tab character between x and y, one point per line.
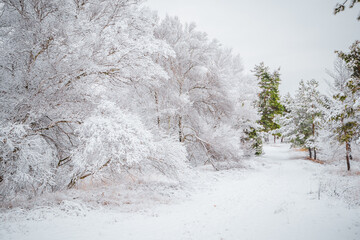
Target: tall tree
269	97
347	112
206	97
346	107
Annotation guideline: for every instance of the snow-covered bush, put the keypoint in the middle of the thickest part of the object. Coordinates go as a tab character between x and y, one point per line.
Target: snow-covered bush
169	158
113	143
27	162
110	144
223	145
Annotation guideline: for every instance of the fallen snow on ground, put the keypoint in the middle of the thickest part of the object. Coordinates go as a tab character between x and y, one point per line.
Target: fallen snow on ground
280	199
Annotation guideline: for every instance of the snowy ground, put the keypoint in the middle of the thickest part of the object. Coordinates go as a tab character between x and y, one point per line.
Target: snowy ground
280	199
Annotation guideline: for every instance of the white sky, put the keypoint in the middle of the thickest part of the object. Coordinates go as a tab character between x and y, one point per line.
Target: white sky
298	36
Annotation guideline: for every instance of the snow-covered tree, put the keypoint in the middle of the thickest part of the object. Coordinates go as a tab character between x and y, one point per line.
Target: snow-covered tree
343	115
200	95
60	60
303	116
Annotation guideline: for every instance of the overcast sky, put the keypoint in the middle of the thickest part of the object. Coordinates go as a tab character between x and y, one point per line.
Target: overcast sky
298	36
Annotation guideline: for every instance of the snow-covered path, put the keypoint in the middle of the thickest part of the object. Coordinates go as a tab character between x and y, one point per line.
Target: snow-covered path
279	200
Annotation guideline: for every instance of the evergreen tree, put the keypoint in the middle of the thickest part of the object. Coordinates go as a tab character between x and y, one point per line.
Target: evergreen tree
343	114
346	108
257	143
303	117
269	97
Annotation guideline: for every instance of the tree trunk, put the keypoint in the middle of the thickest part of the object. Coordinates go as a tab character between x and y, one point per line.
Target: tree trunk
348	155
157	108
310	155
282	139
274	138
180	130
313	132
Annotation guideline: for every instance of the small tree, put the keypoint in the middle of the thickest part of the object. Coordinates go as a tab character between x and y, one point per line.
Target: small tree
256	140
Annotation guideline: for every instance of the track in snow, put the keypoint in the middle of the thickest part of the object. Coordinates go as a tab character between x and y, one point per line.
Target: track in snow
279	200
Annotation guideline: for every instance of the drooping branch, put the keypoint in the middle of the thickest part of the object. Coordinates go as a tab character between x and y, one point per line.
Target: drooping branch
55	124
341	7
86	174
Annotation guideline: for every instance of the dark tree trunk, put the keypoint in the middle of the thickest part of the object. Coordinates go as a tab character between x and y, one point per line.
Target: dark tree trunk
274	139
313	132
310	155
348	155
180	130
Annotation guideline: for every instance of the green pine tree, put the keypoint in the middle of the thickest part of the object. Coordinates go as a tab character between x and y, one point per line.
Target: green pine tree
347	113
257	143
269	97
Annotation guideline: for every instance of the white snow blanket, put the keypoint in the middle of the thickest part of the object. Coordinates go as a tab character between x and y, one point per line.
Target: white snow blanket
280	198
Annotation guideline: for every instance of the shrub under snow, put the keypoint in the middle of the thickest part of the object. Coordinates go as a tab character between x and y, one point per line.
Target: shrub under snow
27	162
114	142
111	144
